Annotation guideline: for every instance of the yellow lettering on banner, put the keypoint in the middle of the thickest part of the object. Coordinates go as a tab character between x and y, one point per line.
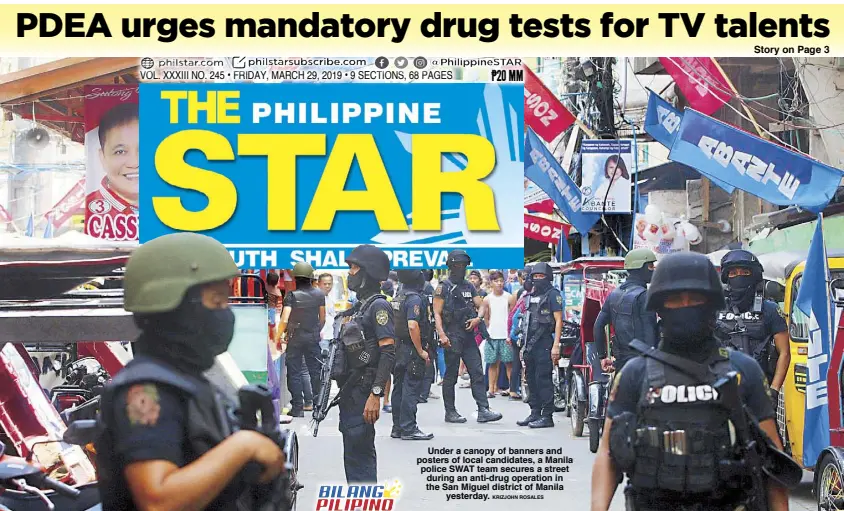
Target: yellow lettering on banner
174	96
430	182
281	151
379	196
172	168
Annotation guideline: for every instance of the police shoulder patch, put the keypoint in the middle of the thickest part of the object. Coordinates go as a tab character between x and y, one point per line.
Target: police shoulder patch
143	404
559	299
724	352
439	290
381	317
416	309
615	383
781	312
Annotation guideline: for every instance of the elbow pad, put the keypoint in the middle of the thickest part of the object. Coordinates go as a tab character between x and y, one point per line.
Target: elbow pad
385	364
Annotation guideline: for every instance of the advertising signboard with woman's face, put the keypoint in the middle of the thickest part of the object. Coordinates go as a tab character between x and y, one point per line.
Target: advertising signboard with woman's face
607	167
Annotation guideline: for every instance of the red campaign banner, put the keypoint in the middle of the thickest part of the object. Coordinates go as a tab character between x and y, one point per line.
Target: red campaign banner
543	111
700	81
546	206
542	229
71	204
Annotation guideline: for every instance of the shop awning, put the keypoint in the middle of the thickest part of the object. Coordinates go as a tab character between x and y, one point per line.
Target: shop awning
53	91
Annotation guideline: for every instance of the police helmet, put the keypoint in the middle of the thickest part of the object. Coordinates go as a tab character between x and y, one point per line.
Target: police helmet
543	268
458	257
303	270
740	259
372	260
638	258
161	271
685	271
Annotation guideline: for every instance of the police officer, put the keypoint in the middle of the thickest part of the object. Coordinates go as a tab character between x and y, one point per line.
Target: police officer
430	370
370	368
410	312
302	320
678	458
750	323
625	310
164	439
541	351
455	300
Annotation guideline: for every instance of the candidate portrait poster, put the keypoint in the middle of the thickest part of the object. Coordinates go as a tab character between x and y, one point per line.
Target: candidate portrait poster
111	143
607	169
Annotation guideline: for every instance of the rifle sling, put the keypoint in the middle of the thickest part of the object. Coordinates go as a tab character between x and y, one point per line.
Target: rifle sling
699	372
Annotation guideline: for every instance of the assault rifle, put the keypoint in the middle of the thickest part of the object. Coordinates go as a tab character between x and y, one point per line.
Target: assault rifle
281	493
760	460
323	401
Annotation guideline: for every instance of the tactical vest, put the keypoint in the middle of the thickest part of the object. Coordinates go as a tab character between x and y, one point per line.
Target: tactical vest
626	322
209	422
356	351
400	317
541	322
682	433
458	304
304	318
745	332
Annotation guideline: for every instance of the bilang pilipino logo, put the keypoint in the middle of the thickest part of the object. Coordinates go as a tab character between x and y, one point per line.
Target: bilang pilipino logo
363	497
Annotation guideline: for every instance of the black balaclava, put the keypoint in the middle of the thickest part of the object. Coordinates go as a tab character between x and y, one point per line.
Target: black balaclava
363	285
304	283
428	275
189	338
541	285
457	273
415	284
387	287
742	291
688	331
641	275
528	285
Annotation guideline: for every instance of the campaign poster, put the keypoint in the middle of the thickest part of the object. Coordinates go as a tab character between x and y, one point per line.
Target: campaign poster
112	135
663	238
288	172
607	170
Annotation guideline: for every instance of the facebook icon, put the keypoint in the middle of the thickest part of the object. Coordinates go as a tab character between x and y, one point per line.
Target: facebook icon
382	62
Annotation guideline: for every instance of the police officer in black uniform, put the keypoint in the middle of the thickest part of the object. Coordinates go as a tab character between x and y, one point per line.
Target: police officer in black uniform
165	440
750	323
681	447
430	369
302	320
455	300
541	351
369	369
625	310
410	313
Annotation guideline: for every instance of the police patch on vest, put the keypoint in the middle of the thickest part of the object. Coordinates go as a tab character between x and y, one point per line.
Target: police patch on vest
467	294
747	316
381	317
364	357
142	404
671	394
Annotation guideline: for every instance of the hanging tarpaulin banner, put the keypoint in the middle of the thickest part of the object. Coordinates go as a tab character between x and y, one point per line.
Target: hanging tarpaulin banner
727	154
546	173
536	200
544	113
111	144
543	229
606	167
662	121
700	81
71	204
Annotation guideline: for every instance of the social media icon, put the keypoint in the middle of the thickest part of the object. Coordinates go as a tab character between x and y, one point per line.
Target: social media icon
147	63
382	62
420	62
401	62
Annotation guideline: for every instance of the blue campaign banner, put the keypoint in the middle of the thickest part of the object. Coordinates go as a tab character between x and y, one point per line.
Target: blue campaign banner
761	168
813	301
543	169
662	121
282	173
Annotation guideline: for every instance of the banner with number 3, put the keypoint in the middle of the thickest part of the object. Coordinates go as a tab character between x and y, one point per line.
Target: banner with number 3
543	111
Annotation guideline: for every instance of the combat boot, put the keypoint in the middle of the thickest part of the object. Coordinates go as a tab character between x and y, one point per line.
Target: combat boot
487	415
297	412
395	433
418	435
454	417
542	422
530	418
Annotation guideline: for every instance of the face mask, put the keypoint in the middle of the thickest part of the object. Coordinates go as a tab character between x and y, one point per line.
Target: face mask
541	285
190	337
742	290
356	281
457	274
687	327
